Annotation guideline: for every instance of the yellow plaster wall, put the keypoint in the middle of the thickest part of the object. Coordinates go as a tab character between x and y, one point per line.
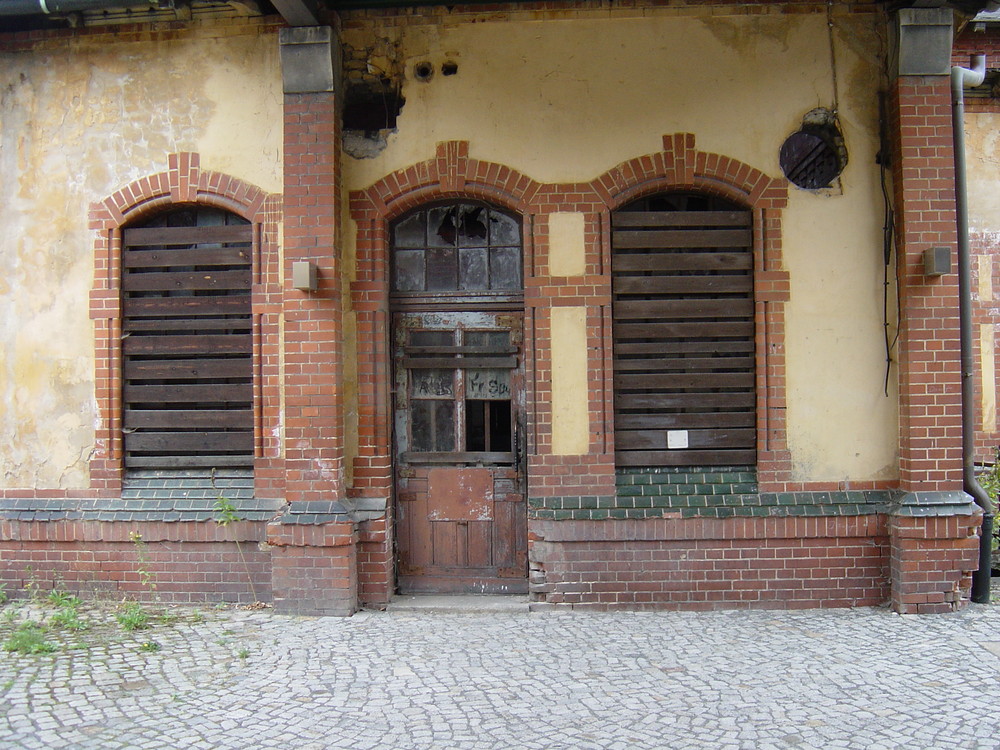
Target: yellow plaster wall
564	100
982	147
570	418
78	120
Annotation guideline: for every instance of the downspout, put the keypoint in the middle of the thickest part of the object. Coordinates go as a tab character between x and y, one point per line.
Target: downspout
64	7
960	79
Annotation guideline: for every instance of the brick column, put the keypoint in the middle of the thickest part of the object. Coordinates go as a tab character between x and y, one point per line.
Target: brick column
930	388
314	543
933	527
314	431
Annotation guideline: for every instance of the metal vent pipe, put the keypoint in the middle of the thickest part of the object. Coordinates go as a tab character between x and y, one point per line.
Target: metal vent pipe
65	7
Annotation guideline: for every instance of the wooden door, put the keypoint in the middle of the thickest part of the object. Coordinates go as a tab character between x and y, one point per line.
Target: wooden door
460	502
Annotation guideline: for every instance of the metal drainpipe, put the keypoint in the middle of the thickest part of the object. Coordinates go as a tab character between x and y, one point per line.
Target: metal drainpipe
63	7
960	78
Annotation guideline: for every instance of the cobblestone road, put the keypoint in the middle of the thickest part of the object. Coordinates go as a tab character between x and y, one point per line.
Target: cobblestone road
864	679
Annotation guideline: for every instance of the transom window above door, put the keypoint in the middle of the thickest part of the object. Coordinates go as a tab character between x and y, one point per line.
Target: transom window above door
465	248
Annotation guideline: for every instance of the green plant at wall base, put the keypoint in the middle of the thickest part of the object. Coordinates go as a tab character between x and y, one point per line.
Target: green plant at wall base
63	599
3	594
29	638
989	480
146	578
225	514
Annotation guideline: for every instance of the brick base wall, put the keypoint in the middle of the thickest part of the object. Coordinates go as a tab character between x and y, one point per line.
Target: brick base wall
194	562
314	568
707	563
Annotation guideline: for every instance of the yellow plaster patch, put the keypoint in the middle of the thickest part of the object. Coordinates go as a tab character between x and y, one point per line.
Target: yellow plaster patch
570	415
985	274
987	371
80	120
566	244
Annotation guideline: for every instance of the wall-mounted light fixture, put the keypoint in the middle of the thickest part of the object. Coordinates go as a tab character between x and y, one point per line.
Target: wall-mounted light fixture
304	276
937	261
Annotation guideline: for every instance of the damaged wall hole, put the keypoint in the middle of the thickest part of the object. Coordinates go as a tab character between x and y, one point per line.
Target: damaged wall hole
449	68
373	80
423	71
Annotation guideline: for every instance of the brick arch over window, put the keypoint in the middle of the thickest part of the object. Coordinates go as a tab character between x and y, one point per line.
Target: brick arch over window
183	184
681	167
451	174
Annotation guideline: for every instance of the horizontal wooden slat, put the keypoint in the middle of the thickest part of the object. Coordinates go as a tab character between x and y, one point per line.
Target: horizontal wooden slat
238	255
625	330
188	442
457	350
728	284
701	381
680	218
180	418
625	349
172	281
683	308
458	457
705	401
634	262
686	458
188	393
186	462
685	421
145	236
697	439
147	307
689	364
681	238
188	369
191	344
425	363
170	325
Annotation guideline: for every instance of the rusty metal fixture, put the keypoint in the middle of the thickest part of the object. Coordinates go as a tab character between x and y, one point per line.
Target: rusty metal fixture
814	155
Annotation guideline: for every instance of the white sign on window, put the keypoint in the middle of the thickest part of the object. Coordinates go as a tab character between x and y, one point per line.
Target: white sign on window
677	439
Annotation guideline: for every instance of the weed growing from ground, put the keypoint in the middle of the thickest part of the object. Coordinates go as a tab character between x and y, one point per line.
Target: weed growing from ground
243	654
69	619
146	577
29	638
3	594
63	599
149	647
131	616
225	514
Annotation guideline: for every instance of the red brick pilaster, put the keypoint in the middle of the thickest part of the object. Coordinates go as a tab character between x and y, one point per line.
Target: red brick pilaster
930	419
932	561
314	431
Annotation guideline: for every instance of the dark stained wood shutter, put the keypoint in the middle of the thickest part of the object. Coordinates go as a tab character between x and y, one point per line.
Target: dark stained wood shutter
682	268
187	342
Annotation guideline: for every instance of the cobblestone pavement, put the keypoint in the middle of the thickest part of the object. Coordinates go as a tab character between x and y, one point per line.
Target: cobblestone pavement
865	679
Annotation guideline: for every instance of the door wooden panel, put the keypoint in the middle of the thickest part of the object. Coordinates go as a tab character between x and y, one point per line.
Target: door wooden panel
458	402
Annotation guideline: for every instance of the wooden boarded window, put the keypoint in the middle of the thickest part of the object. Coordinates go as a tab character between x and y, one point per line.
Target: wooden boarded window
682	276
187	341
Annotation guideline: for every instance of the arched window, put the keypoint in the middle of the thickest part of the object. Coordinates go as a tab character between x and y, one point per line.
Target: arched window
465	247
187	349
683	312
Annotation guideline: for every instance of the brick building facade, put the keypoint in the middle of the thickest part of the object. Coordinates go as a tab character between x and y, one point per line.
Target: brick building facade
643	361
